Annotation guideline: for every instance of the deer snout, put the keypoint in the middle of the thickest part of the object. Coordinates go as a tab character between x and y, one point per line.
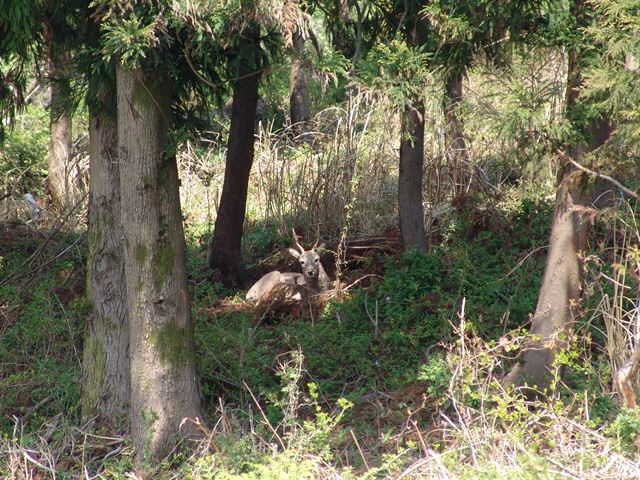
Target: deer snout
311	273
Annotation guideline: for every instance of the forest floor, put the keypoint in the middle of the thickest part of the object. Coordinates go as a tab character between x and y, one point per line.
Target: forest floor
396	376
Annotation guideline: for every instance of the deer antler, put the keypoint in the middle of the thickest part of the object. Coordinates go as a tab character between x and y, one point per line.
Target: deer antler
295	240
315	245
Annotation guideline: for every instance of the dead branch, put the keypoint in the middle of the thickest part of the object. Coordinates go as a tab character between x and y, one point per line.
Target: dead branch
607	178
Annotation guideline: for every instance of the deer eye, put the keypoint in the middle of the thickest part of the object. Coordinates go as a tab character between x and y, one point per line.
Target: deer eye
316	260
301	262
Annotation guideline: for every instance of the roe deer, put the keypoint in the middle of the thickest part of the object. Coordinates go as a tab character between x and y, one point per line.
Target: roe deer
311	281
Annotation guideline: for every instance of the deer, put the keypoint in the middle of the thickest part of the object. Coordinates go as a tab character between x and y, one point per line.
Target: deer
297	286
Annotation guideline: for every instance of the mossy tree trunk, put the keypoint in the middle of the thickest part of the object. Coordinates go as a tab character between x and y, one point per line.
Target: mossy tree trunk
410	208
60	180
456	145
105	367
165	387
298	89
226	248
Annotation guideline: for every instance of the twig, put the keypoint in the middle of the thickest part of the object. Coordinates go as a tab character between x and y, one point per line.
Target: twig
524	260
35	462
359	450
415	466
273	430
566	471
423	444
56	229
360	279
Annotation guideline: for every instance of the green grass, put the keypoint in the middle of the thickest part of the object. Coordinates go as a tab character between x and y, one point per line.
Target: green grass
376	339
397	340
40	346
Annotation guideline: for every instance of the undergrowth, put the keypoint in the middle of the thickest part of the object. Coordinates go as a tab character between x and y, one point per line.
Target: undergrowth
396	380
396	377
373	338
42	322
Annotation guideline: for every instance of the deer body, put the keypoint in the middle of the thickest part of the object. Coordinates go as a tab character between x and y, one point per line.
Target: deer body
311	281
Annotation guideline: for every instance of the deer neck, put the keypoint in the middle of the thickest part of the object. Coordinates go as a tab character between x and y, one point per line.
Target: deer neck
318	283
323	280
312	283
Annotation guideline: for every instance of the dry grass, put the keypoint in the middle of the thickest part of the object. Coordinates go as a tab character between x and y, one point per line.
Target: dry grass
58	450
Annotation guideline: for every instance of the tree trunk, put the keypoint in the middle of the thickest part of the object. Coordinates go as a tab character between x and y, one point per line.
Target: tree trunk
561	291
410	177
226	253
105	366
60	181
299	91
164	383
456	145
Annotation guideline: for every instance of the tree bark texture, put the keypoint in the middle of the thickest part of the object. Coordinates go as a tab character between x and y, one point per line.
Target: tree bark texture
299	90
105	366
226	248
456	145
561	290
410	208
164	383
61	180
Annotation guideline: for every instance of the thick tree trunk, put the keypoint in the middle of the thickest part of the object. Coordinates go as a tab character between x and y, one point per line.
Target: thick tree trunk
561	291
410	177
226	253
299	91
456	145
60	181
105	366
164	383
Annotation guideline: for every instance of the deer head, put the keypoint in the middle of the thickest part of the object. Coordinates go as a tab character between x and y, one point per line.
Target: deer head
315	276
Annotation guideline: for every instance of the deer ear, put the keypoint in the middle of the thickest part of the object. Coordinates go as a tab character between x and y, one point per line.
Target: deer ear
293	252
321	247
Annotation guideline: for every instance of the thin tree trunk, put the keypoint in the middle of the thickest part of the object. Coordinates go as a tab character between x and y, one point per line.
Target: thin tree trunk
60	181
299	91
105	366
226	252
164	383
455	142
410	177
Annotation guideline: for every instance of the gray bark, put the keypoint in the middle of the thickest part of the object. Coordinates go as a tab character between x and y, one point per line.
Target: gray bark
164	383
561	291
456	144
299	91
410	208
105	369
60	181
